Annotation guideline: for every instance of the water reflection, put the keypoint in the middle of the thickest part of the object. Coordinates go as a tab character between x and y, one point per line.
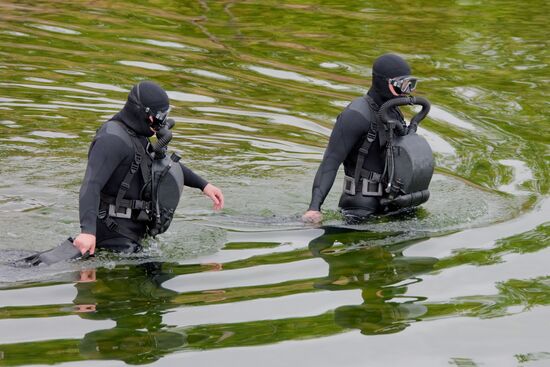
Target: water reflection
381	273
138	336
130	296
140	313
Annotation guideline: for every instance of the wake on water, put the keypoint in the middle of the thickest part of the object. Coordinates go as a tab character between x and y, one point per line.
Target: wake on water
454	205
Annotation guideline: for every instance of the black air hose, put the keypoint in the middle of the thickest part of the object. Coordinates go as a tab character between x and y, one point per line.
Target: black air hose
403	101
164	136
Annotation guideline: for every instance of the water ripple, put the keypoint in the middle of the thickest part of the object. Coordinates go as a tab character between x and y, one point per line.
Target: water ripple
55	29
291	75
145	65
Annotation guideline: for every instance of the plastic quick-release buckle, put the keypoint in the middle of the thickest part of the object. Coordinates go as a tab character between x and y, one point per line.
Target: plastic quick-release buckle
126	214
371	188
175	158
349	185
112	225
371	175
140	205
134	166
371	135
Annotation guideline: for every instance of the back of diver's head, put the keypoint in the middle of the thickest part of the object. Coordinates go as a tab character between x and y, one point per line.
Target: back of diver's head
150	95
144	94
385	67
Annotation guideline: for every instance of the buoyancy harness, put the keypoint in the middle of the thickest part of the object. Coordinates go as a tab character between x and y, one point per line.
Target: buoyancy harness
409	162
409	159
370	182
160	195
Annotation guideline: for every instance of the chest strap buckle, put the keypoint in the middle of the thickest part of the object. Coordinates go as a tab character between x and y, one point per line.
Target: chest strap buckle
126	213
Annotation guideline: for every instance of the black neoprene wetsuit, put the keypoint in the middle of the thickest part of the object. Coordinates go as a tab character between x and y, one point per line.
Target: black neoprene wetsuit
350	131
110	157
347	136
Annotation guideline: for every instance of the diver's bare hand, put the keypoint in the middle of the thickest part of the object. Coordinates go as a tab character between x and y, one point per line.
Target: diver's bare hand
215	195
85	242
312	216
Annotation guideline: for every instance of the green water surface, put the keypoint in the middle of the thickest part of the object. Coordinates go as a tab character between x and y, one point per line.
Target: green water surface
255	88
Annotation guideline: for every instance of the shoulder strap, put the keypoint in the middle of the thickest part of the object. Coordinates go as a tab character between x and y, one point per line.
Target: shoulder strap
371	136
139	157
119	201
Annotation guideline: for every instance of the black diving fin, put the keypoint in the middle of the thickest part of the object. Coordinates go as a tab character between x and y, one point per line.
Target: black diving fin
63	252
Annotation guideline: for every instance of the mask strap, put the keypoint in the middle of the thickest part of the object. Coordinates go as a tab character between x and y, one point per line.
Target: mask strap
382	75
138	100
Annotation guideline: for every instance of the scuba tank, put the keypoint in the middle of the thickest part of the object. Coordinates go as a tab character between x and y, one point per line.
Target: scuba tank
166	183
409	159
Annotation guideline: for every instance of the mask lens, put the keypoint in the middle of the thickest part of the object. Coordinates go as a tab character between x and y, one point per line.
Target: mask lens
159	118
162	115
408	85
404	84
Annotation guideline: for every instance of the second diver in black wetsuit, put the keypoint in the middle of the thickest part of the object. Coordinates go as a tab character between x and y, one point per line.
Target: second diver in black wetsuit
115	219
390	79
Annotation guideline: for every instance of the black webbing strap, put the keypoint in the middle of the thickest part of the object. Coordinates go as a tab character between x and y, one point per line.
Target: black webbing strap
146	164
139	155
126	203
119	201
371	176
113	226
364	149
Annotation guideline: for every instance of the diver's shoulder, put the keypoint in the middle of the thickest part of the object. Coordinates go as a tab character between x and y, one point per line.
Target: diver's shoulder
113	127
359	104
359	109
114	130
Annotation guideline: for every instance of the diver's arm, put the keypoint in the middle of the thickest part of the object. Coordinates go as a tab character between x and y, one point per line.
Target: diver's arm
107	152
348	129
191	179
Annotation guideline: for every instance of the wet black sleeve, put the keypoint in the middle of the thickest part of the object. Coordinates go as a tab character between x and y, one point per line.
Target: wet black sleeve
349	128
191	179
107	152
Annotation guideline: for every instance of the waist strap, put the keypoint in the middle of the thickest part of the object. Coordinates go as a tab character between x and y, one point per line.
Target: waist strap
369	187
125	203
370	175
113	226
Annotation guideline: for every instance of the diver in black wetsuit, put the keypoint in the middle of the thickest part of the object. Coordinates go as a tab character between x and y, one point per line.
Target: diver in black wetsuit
390	79
112	155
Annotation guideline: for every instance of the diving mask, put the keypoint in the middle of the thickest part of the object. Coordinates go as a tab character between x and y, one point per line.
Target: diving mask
404	84
159	117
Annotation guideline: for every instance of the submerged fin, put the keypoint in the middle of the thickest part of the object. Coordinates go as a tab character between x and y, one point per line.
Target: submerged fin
63	252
